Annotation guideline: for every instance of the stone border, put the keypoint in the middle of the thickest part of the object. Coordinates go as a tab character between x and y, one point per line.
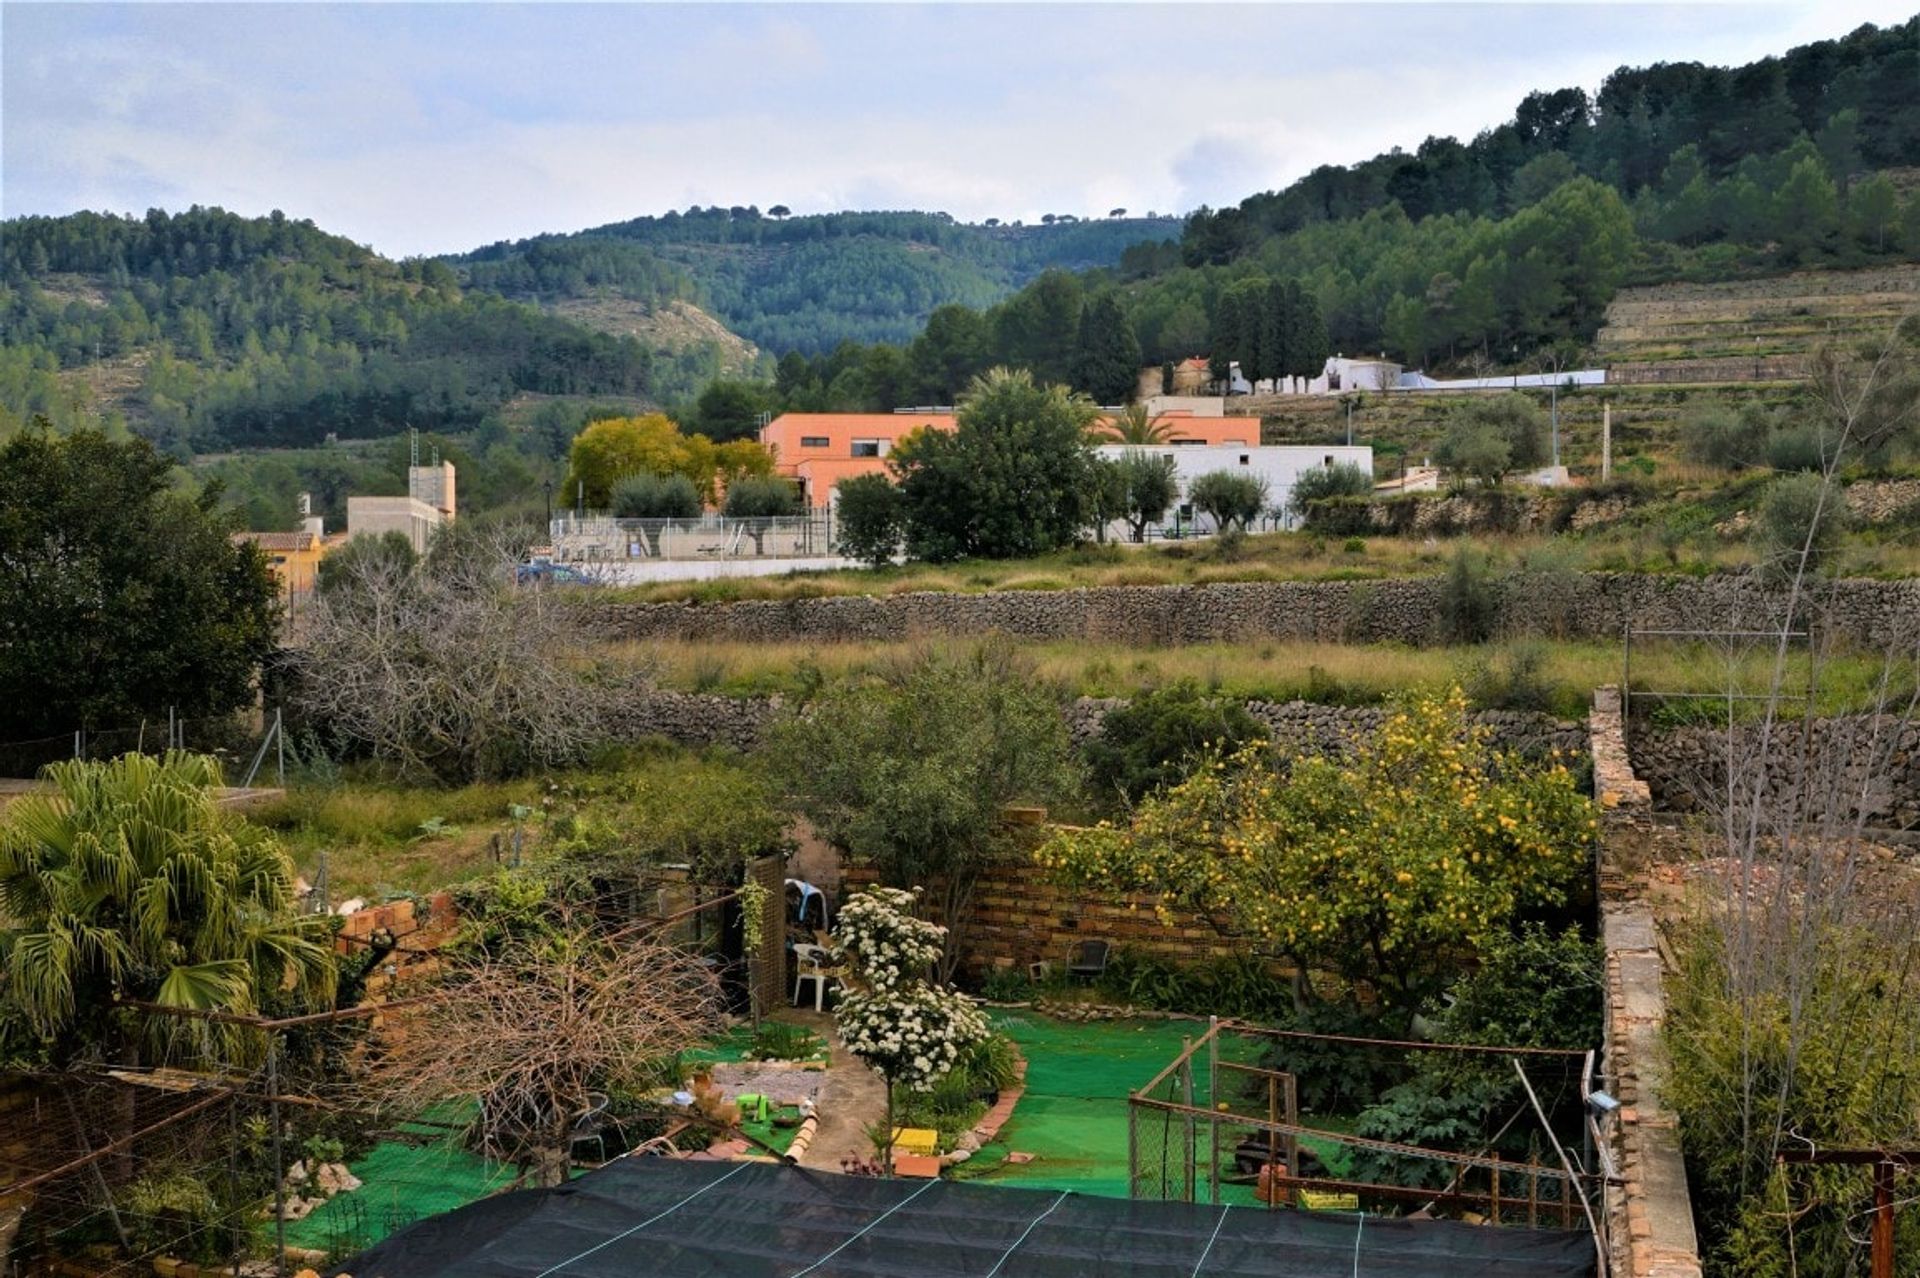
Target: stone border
1649	1209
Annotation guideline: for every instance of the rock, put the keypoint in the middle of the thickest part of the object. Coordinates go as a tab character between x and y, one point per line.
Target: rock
967	1143
959	1156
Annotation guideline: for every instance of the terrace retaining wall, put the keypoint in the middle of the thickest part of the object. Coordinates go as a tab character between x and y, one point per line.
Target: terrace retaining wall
1387	610
1846	768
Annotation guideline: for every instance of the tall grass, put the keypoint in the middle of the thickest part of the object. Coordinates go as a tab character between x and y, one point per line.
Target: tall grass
1561	676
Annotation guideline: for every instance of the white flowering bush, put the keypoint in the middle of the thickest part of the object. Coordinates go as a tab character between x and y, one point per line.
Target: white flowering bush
913	1035
885	944
891	1018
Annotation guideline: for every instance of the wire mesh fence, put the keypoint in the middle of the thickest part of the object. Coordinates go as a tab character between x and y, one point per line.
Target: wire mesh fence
1222	1123
245	743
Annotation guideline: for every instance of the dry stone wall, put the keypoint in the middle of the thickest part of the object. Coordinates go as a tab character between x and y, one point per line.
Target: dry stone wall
1847	768
1389	610
1309	725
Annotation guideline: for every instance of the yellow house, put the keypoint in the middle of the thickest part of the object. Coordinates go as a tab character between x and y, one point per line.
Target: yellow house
294	557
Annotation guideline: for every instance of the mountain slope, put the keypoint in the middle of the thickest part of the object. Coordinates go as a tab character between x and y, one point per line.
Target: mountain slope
205	330
803	283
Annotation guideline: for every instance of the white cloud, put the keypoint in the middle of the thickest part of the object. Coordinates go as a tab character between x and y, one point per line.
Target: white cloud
435	128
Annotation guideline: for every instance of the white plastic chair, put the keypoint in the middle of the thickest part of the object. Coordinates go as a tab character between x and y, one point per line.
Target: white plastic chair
810	965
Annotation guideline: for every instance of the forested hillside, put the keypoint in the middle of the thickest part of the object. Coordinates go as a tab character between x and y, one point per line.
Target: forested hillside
804	283
207	331
1500	251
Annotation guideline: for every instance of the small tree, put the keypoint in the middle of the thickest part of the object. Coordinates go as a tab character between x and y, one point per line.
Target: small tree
532	1031
892	1017
911	771
443	674
1387	864
759	497
1797	529
871	516
1155	741
655	497
1233	499
1152	487
1107	496
1489	439
130	881
1324	483
1011	479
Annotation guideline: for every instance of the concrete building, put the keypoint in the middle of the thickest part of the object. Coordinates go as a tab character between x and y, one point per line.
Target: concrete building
818	450
428	504
1280	467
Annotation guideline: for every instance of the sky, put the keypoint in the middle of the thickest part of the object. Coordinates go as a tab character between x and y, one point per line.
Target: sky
429	128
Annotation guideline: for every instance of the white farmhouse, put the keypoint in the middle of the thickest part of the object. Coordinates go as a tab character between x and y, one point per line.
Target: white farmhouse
1278	466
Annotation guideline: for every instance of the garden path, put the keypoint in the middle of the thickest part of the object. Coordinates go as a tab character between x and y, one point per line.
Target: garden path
851	1099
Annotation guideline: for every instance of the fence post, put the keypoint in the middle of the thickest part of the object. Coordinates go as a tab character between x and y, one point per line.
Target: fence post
1213	1103
1186	1098
280	743
79	751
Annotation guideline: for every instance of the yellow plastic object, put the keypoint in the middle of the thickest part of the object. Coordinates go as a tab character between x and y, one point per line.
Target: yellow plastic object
1315	1201
915	1140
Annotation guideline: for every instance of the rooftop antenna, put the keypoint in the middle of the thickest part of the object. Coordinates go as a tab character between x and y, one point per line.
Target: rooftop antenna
413	447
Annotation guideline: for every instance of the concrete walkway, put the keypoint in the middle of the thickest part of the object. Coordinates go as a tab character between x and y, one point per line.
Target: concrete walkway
851	1099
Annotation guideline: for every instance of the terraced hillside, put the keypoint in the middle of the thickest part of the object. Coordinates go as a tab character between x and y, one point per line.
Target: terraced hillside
1747	320
1646	420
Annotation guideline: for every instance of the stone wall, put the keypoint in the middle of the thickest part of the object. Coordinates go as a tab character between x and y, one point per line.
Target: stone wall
697	719
1309	725
1390	610
1850	767
1743	368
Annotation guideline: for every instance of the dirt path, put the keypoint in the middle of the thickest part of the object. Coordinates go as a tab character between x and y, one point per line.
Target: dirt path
851	1097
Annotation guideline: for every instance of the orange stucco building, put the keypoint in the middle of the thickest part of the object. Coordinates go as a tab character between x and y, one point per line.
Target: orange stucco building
818	450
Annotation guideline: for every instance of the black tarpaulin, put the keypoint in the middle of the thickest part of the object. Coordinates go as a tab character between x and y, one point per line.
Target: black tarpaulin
668	1218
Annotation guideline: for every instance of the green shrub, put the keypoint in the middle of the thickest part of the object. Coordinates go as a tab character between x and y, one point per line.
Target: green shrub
1155	740
872	519
1006	985
1344	480
1799	523
1513	678
645	496
1354	546
1469	599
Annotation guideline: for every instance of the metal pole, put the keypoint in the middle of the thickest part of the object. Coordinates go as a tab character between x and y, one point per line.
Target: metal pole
1186	1096
1554	399
1213	1100
1606	441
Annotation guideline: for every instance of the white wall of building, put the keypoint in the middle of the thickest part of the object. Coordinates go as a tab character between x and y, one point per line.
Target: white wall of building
1279	466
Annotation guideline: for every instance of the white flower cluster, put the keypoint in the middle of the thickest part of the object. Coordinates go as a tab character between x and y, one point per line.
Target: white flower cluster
912	1035
893	1019
887	946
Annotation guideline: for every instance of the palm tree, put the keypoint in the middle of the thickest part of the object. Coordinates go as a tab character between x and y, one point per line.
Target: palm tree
130	883
1135	425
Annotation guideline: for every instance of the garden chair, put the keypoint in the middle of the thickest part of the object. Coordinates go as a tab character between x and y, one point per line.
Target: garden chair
1088	962
810	964
590	1124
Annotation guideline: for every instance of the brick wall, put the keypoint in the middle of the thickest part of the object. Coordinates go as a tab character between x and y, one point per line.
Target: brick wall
1020	917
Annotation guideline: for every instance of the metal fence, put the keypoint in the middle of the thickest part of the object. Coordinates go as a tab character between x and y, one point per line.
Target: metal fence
603	539
1220	1123
248	745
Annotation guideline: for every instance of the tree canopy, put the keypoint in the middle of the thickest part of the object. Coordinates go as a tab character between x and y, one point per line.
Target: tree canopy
121	597
1385	864
1013	478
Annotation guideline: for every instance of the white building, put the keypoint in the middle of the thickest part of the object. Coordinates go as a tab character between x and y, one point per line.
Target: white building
428	504
1278	466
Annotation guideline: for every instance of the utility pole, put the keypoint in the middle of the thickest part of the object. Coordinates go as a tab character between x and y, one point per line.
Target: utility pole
1606	440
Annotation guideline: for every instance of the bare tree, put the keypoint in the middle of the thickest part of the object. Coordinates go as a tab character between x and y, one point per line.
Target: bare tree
443	669
537	1034
1798	1013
